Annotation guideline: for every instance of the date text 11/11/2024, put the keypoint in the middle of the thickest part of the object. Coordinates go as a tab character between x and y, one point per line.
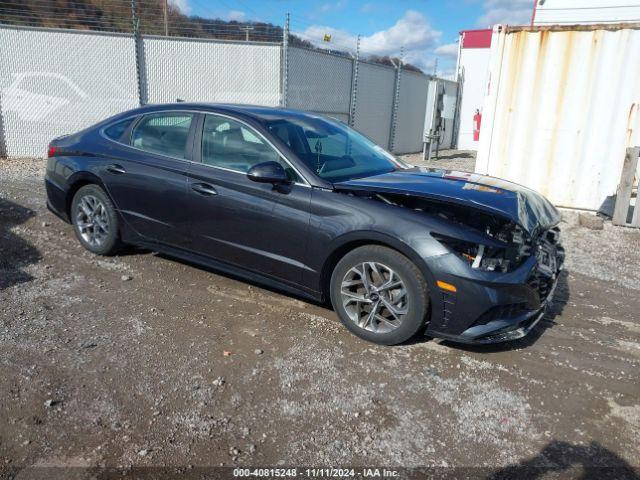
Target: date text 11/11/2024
315	472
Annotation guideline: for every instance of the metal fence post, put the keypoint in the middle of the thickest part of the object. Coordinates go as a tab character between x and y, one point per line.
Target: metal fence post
625	187
140	58
284	70
3	142
354	85
396	99
165	9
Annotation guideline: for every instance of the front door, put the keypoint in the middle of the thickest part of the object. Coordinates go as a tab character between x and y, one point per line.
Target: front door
256	226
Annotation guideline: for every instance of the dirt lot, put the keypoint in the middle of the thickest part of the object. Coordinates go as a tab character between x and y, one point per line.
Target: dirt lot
462	160
140	360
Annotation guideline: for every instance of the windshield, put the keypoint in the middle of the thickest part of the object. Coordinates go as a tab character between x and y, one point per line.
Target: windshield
334	151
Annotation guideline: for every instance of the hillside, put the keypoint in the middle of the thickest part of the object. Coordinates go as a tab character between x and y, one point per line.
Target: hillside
115	16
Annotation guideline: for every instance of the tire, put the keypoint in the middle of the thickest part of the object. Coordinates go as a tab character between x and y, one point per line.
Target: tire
353	304
102	238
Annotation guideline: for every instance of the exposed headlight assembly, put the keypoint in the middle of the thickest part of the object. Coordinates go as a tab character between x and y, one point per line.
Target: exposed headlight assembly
485	257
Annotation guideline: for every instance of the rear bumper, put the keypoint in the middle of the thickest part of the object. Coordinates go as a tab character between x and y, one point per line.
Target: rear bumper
56	200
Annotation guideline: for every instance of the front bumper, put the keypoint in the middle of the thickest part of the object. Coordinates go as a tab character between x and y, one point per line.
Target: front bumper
504	329
494	308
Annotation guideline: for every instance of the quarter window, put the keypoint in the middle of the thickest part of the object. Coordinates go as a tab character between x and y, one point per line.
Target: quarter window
231	145
115	131
164	133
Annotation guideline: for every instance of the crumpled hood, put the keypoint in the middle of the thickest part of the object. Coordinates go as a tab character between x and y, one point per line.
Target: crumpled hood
527	208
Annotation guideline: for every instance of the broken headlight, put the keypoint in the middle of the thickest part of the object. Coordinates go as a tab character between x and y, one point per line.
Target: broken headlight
487	258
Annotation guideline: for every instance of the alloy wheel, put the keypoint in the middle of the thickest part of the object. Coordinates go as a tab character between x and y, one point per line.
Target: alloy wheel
92	220
374	297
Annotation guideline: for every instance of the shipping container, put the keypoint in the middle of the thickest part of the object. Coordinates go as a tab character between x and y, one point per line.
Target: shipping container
561	109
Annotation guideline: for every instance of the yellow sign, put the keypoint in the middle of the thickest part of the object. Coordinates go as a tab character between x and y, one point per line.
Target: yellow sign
327	37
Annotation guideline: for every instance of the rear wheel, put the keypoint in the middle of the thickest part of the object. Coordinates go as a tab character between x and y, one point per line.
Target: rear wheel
95	221
379	294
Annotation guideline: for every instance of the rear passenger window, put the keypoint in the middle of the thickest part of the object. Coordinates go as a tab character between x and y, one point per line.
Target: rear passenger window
115	131
164	133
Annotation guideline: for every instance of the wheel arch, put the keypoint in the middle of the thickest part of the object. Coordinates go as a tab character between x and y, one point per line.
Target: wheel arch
347	243
76	182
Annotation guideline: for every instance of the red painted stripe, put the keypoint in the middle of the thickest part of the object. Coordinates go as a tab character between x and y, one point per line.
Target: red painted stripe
476	38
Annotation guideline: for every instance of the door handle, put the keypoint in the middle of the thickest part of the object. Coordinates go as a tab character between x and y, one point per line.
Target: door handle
204	189
115	168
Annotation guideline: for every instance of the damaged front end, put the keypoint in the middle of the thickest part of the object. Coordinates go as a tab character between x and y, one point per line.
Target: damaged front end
503	271
484	241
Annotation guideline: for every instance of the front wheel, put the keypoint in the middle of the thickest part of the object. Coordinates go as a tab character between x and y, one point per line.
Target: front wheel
95	220
379	294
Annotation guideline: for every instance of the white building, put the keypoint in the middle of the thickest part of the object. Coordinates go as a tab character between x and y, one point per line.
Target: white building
473	68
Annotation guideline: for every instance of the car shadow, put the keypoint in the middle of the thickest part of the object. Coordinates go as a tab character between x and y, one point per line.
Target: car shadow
556	307
15	252
244	280
560	300
570	461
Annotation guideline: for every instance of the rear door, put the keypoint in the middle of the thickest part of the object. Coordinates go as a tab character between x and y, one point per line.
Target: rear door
256	226
147	178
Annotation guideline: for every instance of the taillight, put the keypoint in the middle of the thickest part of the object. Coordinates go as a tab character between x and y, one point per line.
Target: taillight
51	152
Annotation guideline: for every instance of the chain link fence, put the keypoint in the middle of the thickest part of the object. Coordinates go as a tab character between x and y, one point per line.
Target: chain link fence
55	82
58	81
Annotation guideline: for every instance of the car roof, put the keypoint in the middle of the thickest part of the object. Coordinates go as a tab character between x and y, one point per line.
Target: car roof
258	112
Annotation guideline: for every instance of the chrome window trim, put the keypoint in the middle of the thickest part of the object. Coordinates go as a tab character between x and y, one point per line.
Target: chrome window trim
203	112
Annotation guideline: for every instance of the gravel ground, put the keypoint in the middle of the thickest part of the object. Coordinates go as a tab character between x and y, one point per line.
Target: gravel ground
140	360
461	160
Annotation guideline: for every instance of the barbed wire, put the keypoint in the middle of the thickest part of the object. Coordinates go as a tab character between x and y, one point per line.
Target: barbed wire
116	16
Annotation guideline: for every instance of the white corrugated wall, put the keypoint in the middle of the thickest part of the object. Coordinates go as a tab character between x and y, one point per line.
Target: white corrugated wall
212	71
561	110
56	82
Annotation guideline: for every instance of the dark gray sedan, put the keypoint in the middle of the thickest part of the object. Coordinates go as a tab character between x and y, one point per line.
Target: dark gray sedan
305	204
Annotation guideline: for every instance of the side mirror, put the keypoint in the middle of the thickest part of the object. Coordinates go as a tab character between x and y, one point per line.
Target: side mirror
268	172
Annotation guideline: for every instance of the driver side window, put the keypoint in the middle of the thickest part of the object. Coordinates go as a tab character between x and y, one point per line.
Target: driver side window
232	145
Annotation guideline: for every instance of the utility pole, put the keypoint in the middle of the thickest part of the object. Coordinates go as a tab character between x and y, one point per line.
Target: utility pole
247	29
435	68
166	20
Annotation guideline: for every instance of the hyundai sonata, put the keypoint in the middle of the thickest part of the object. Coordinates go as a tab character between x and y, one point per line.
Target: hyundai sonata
307	205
